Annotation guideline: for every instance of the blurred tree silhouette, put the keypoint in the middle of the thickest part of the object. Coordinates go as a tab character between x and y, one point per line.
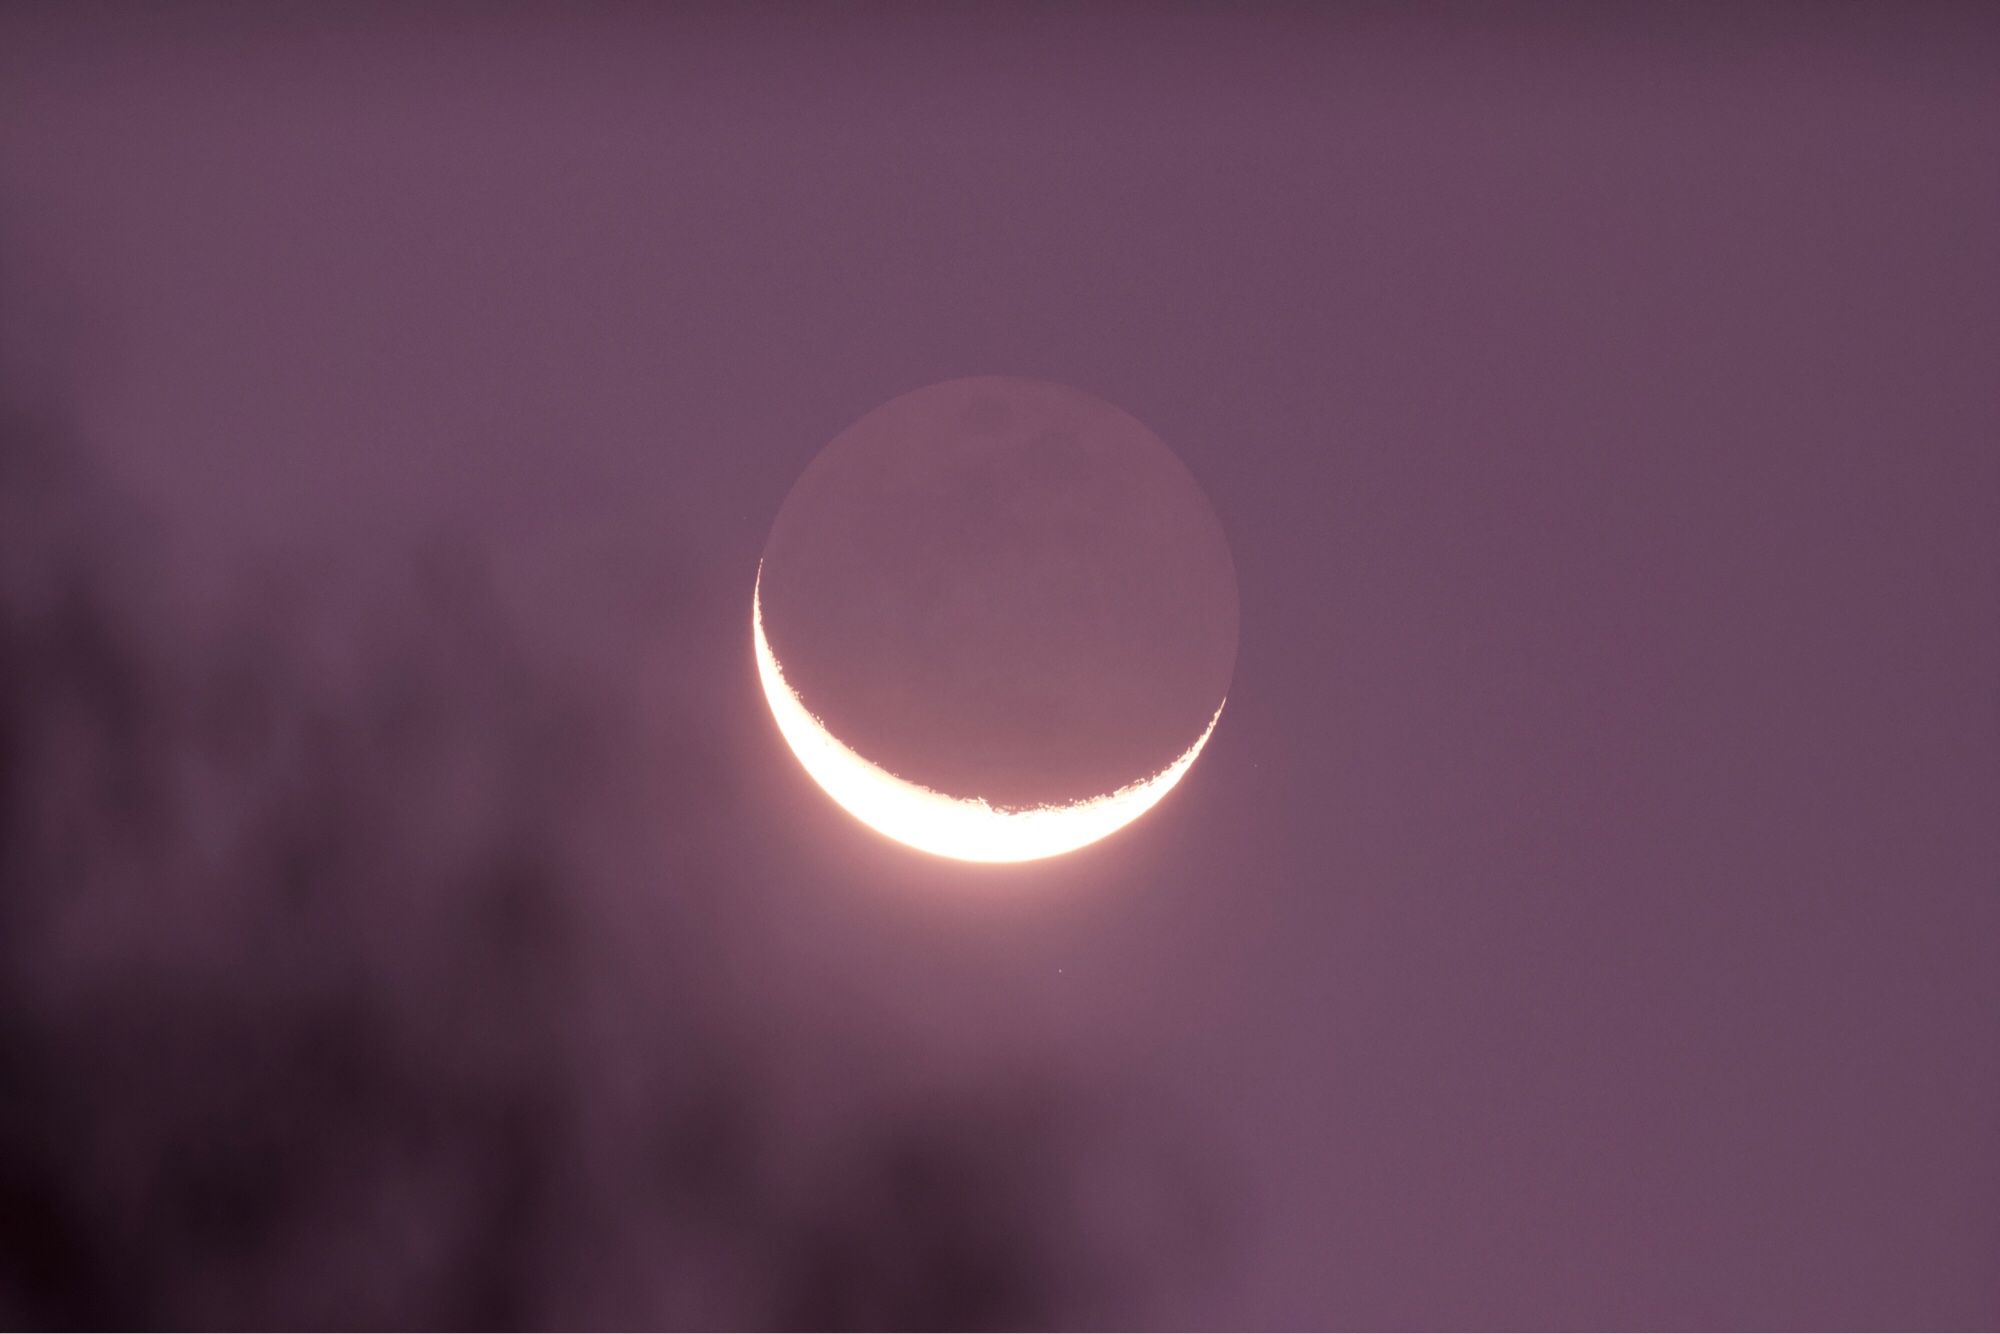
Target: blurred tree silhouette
295	1015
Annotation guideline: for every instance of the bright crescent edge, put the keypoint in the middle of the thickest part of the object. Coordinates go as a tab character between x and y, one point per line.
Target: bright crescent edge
965	828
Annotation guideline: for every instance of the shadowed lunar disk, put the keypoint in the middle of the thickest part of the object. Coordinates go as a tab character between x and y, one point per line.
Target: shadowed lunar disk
996	619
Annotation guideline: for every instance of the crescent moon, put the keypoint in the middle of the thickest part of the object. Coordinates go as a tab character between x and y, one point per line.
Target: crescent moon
965	828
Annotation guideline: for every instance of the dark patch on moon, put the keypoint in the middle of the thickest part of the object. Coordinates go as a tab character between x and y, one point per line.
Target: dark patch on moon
1003	588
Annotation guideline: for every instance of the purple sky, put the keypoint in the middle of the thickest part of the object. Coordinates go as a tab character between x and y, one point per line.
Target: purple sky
1588	912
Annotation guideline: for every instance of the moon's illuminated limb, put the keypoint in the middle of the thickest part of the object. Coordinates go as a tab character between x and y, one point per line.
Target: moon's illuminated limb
961	827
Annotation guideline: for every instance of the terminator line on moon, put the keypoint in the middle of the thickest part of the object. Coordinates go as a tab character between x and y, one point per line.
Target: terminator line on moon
995	619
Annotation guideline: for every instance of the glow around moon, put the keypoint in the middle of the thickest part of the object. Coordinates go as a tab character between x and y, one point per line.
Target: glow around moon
965	828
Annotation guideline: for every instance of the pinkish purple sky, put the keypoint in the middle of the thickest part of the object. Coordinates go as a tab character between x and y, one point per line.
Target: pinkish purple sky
1588	913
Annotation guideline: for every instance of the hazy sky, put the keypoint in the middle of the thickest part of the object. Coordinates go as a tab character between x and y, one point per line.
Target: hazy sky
1588	912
